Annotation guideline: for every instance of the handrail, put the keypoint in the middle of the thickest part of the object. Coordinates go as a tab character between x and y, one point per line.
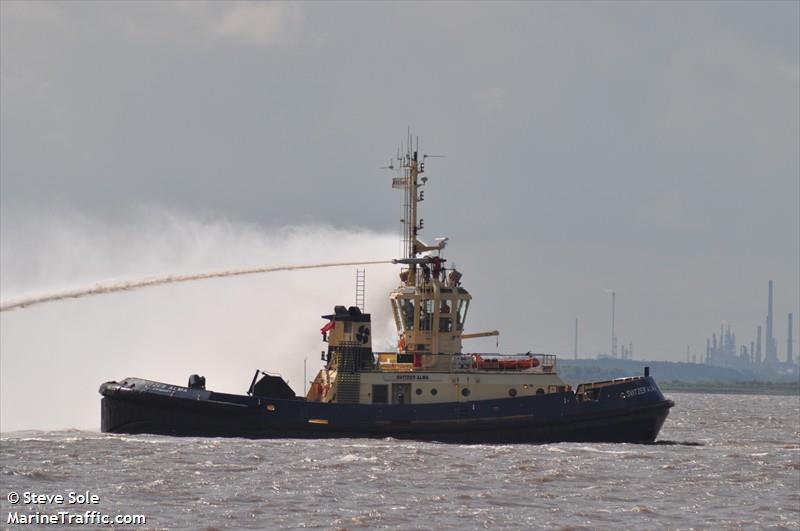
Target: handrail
474	362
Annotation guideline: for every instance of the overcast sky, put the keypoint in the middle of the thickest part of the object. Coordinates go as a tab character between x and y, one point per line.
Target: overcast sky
649	148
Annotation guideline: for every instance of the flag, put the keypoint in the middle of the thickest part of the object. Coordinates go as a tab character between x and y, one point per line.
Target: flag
400	182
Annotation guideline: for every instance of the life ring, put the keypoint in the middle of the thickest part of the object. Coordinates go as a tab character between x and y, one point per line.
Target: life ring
534	362
401	345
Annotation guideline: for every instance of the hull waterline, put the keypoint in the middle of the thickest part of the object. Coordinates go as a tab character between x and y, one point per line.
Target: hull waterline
621	413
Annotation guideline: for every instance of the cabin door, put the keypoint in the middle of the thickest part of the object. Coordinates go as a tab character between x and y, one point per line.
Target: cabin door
401	393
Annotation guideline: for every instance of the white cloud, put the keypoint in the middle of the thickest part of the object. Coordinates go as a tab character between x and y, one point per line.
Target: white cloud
260	23
155	23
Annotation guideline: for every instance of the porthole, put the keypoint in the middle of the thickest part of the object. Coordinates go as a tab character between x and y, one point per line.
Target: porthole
465	392
540	391
418	391
512	392
434	391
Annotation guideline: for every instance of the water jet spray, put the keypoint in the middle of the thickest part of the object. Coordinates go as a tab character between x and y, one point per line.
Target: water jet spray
129	285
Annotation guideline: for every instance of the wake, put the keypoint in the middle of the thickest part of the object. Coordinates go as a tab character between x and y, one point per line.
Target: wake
101	288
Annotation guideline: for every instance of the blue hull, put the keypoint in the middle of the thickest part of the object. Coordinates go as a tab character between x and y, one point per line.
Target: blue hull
631	411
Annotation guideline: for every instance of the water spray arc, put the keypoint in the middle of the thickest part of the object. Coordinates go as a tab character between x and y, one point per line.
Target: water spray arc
129	285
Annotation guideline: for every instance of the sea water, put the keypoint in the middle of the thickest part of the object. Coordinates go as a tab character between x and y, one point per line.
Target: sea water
722	462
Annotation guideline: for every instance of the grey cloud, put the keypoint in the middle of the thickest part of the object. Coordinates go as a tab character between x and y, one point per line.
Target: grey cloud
652	147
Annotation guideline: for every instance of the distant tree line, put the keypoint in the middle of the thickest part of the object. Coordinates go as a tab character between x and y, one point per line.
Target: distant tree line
679	376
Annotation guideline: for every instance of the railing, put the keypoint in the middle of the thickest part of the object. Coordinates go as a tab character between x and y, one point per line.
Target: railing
597	385
528	363
387	361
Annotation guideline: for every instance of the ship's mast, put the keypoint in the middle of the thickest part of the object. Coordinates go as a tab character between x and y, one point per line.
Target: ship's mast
412	172
412	167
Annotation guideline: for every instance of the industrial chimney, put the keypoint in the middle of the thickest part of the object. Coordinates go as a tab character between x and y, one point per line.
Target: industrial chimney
789	360
771	348
758	344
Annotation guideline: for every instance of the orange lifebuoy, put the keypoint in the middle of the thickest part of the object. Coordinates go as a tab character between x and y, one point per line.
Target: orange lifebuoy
401	345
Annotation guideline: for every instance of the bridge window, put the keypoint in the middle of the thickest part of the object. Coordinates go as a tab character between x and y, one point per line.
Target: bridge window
425	314
462	314
405	309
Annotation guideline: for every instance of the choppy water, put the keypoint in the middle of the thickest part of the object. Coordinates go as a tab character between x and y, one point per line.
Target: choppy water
724	462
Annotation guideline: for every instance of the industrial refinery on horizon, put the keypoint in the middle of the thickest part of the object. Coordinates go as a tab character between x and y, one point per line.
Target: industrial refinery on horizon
761	356
722	350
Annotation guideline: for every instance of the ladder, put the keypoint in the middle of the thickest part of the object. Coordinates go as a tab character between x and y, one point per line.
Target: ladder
361	286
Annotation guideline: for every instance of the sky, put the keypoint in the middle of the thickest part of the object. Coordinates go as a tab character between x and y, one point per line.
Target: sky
645	148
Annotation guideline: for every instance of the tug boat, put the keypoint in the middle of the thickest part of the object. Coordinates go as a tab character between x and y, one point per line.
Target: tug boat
427	389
